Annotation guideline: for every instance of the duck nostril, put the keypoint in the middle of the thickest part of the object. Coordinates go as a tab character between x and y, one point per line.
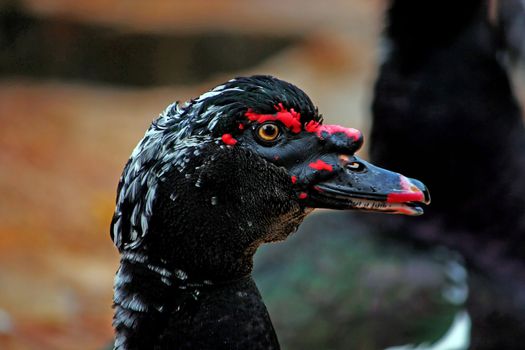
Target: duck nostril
356	167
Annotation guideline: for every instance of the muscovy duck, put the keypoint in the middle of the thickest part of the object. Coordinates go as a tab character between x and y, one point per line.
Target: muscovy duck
212	180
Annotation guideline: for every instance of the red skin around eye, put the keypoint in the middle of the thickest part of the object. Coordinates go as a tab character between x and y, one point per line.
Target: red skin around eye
312	126
290	118
320	165
228	139
303	195
315	127
294	179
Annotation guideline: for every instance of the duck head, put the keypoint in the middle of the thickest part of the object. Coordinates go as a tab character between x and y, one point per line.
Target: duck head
241	165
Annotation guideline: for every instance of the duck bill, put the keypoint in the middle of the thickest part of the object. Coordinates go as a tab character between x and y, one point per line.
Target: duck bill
370	188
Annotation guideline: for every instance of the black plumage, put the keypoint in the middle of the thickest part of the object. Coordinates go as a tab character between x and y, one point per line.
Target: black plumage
211	181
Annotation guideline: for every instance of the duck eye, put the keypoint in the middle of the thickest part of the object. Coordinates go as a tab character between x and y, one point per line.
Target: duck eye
268	132
356	166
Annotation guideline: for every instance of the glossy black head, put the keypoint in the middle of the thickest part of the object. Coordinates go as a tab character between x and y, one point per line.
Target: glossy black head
243	164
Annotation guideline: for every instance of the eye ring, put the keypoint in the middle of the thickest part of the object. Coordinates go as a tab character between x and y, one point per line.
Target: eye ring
268	132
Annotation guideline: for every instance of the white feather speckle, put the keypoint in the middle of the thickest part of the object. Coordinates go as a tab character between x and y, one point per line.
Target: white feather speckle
180	274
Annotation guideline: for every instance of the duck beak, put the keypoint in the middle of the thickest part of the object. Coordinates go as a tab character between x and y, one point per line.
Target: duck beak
359	185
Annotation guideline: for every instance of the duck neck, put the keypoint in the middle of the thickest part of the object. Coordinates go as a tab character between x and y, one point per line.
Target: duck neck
141	300
158	304
221	261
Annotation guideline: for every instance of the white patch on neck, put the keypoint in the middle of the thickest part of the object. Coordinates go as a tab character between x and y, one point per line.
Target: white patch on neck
457	336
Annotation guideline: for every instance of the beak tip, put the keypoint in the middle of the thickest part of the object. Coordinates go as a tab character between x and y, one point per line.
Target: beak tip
427	197
420	187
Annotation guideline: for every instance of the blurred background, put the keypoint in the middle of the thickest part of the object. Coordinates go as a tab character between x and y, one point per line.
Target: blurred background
80	81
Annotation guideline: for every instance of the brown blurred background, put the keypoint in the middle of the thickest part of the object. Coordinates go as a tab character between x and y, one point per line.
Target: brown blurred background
80	81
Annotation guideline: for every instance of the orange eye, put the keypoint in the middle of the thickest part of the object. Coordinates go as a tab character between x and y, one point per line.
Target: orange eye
268	132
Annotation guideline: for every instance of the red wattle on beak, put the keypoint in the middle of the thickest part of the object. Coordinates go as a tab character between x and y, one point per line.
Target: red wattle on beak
404	197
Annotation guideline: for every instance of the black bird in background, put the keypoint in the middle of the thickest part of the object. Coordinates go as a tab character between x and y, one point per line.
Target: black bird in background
212	180
443	91
444	112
